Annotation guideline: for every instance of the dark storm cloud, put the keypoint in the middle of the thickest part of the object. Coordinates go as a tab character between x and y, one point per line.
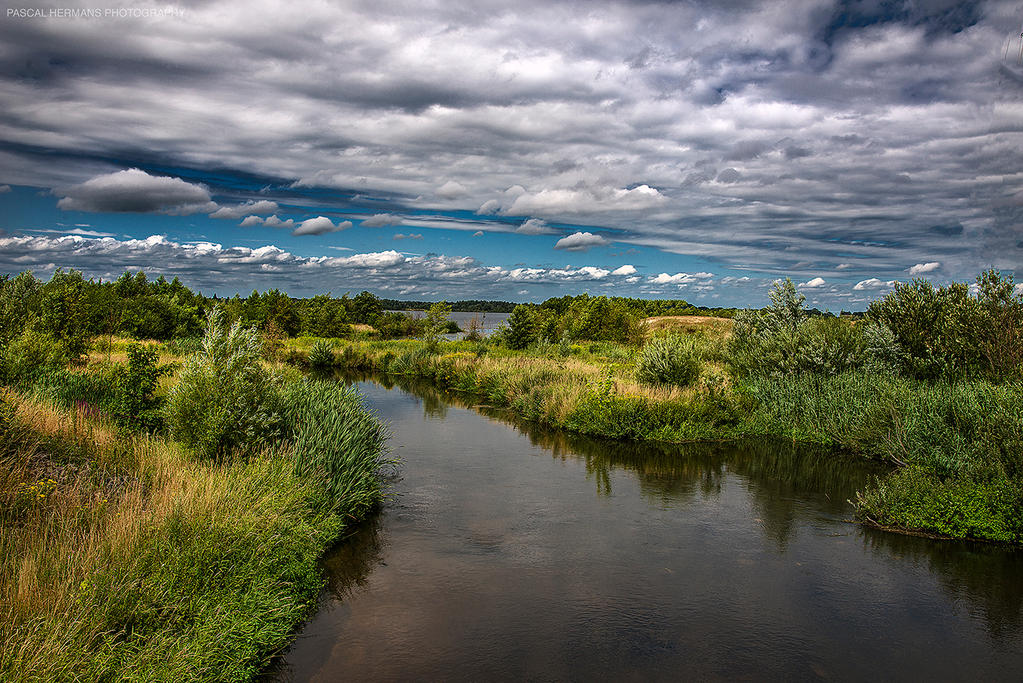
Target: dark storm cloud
135	191
875	135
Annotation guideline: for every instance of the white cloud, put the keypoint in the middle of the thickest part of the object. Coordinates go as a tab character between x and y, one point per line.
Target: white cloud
276	222
478	233
535	226
381	220
873	283
814	283
624	270
381	259
320	225
135	191
559	202
580	241
680	278
262	206
491	206
4	189
594	272
250	221
74	231
410	236
452	190
843	266
921	268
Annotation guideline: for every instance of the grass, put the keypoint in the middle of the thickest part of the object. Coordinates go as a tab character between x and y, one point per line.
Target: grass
125	557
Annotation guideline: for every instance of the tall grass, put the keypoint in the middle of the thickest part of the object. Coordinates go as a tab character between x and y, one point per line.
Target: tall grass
130	560
337	441
126	557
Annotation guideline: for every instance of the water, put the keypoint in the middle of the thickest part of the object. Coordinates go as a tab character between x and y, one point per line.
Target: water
512	553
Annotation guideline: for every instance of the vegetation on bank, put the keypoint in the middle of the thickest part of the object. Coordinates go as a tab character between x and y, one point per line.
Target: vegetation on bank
929	381
160	522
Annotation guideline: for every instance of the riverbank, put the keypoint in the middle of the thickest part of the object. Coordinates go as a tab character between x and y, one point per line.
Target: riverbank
127	555
951	444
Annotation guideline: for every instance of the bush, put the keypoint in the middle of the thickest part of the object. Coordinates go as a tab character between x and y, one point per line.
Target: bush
673	360
784	340
225	399
958	507
521	330
32	354
394	325
321	355
134	404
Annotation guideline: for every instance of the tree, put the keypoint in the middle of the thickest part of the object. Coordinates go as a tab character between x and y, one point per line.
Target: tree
521	330
436	323
18	300
62	310
365	308
999	324
786	309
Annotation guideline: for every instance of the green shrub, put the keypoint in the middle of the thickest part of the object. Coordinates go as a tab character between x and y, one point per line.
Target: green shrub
321	355
224	399
783	340
394	325
958	507
672	360
134	404
521	327
32	354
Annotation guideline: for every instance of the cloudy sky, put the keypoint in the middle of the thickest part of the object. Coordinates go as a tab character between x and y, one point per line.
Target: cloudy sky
695	150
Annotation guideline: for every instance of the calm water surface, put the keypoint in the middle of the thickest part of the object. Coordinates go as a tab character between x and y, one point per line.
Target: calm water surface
511	553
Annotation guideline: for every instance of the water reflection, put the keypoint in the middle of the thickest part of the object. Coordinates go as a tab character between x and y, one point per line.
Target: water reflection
531	552
348	566
986	578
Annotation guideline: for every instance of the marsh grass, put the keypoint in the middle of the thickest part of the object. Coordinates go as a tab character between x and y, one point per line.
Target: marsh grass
181	569
338	442
126	556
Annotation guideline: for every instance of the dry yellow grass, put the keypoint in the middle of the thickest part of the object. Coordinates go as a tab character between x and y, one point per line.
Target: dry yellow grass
688	324
90	503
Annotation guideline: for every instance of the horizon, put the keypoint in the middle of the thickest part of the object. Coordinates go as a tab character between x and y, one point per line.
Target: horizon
638	149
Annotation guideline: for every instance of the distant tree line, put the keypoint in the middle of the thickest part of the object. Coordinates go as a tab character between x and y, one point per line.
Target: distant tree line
73	309
465	305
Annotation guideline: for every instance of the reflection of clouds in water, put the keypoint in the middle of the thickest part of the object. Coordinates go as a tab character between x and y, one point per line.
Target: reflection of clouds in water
542	549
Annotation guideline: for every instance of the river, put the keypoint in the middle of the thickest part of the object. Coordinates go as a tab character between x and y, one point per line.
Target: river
507	552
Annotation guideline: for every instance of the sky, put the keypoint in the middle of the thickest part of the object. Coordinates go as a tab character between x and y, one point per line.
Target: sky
517	151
